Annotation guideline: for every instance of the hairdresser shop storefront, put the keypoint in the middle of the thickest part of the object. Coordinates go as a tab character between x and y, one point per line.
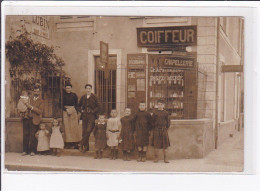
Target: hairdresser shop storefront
169	71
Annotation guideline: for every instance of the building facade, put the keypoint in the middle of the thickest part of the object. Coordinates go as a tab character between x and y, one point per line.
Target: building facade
179	59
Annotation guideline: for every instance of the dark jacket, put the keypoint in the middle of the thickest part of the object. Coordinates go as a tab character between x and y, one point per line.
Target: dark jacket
36	112
91	105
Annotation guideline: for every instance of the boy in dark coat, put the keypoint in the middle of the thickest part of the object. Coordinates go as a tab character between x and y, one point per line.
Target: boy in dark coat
161	124
142	131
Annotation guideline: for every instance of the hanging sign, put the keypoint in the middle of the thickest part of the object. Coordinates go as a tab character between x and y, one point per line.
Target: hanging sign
167	36
232	68
104	56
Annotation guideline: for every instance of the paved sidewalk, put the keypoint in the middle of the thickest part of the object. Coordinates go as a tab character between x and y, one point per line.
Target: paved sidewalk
227	158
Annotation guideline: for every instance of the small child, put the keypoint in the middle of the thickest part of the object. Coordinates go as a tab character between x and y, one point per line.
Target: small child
127	134
142	131
21	106
100	136
43	140
113	133
161	124
56	141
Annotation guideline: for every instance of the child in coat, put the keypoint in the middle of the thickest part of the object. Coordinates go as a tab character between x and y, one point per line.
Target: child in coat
100	136
142	131
56	141
43	140
127	134
113	133
161	124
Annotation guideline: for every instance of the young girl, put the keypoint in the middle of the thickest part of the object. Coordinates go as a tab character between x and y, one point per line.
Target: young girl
56	142
43	140
100	136
161	124
113	133
127	134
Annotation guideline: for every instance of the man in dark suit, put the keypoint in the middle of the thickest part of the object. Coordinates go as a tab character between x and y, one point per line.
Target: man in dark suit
90	108
31	126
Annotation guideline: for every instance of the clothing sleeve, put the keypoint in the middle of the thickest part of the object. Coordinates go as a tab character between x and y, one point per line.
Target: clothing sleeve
134	122
80	104
76	104
38	110
61	129
119	125
97	108
61	101
95	129
150	125
168	120
153	119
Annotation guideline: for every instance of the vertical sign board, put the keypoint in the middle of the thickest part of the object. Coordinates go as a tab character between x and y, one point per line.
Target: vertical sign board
136	80
104	57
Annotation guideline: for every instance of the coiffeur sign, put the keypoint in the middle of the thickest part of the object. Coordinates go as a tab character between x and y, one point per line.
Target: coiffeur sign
167	36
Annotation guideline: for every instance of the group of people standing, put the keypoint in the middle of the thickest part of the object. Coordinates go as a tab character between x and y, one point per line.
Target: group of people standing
132	130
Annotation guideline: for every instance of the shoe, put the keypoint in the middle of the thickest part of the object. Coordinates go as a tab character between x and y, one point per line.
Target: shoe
116	154
144	157
124	156
84	149
100	154
96	155
112	155
32	154
139	156
165	159
128	156
24	153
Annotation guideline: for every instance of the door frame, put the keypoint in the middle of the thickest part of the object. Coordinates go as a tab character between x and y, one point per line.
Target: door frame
91	73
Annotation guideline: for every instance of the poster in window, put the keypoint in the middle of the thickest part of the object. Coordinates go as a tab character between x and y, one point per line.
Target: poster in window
140	74
131	94
131	88
140	84
131	75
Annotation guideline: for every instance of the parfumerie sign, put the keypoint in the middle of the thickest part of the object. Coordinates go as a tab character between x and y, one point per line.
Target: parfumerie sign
167	36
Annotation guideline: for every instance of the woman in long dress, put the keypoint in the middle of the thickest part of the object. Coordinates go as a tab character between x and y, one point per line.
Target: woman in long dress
70	118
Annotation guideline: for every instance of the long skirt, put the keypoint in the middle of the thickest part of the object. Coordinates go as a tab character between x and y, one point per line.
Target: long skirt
71	125
160	139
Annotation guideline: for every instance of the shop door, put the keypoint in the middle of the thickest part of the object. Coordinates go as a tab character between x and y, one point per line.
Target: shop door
106	90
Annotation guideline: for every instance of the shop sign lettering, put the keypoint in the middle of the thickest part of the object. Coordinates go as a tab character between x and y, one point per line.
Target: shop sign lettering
167	36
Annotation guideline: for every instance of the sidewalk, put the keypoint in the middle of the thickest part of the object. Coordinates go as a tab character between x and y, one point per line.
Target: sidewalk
227	158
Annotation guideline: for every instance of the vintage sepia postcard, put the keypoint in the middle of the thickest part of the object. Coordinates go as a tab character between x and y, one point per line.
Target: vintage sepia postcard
124	93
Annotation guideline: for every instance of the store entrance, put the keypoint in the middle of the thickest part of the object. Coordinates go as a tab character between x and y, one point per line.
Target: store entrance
106	90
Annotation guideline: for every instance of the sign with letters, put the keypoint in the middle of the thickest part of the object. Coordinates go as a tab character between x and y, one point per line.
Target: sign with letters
167	36
40	26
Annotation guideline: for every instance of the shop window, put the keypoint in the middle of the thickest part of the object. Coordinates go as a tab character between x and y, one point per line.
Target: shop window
50	85
106	88
178	87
